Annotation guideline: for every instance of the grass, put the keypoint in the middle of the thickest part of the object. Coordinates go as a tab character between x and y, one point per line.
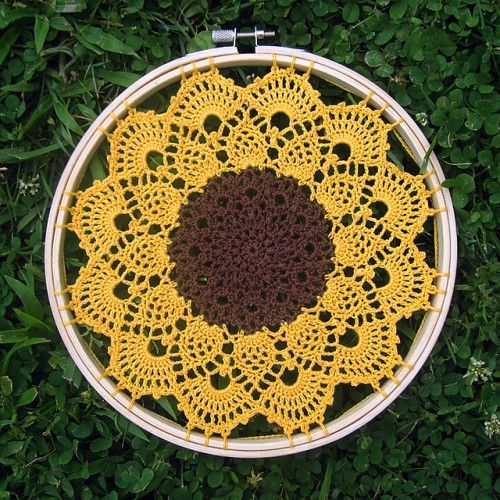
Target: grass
61	63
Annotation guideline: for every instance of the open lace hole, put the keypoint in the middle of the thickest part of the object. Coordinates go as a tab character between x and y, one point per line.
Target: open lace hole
156	348
122	221
219	382
349	339
342	150
381	278
378	208
290	377
154	159
280	120
120	291
212	123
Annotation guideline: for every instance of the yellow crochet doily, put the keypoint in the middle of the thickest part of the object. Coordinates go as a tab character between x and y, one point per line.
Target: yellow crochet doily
126	290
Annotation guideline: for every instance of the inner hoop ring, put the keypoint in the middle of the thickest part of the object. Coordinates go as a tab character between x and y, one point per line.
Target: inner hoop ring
446	251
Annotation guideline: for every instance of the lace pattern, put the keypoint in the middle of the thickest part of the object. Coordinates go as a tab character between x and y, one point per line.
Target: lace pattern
128	289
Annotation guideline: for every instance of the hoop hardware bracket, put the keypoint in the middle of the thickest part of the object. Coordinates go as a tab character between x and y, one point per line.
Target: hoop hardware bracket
231	36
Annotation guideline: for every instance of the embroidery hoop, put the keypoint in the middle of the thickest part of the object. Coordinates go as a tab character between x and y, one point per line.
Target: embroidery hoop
430	328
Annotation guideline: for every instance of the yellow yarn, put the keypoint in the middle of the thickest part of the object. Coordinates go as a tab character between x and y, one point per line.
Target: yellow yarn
125	291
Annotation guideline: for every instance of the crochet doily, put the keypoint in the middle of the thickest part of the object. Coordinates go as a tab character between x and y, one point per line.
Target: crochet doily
189	292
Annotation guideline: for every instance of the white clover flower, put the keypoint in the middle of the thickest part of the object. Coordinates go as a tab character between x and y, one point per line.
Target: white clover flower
23	187
492	426
421	118
478	371
30	187
255	478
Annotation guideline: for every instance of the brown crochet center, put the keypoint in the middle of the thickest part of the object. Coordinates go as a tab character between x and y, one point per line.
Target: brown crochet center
251	250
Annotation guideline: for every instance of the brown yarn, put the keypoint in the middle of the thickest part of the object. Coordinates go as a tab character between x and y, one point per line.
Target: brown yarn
251	250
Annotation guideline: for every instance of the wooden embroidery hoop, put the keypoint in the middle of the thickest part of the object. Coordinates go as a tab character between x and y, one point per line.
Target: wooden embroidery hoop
353	418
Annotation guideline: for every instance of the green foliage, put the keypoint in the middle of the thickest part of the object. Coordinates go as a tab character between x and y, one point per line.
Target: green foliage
62	62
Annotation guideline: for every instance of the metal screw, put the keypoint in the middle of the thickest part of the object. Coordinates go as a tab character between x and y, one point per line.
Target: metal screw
231	36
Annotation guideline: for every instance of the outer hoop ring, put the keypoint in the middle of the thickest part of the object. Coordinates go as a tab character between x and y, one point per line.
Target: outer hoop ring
352	419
